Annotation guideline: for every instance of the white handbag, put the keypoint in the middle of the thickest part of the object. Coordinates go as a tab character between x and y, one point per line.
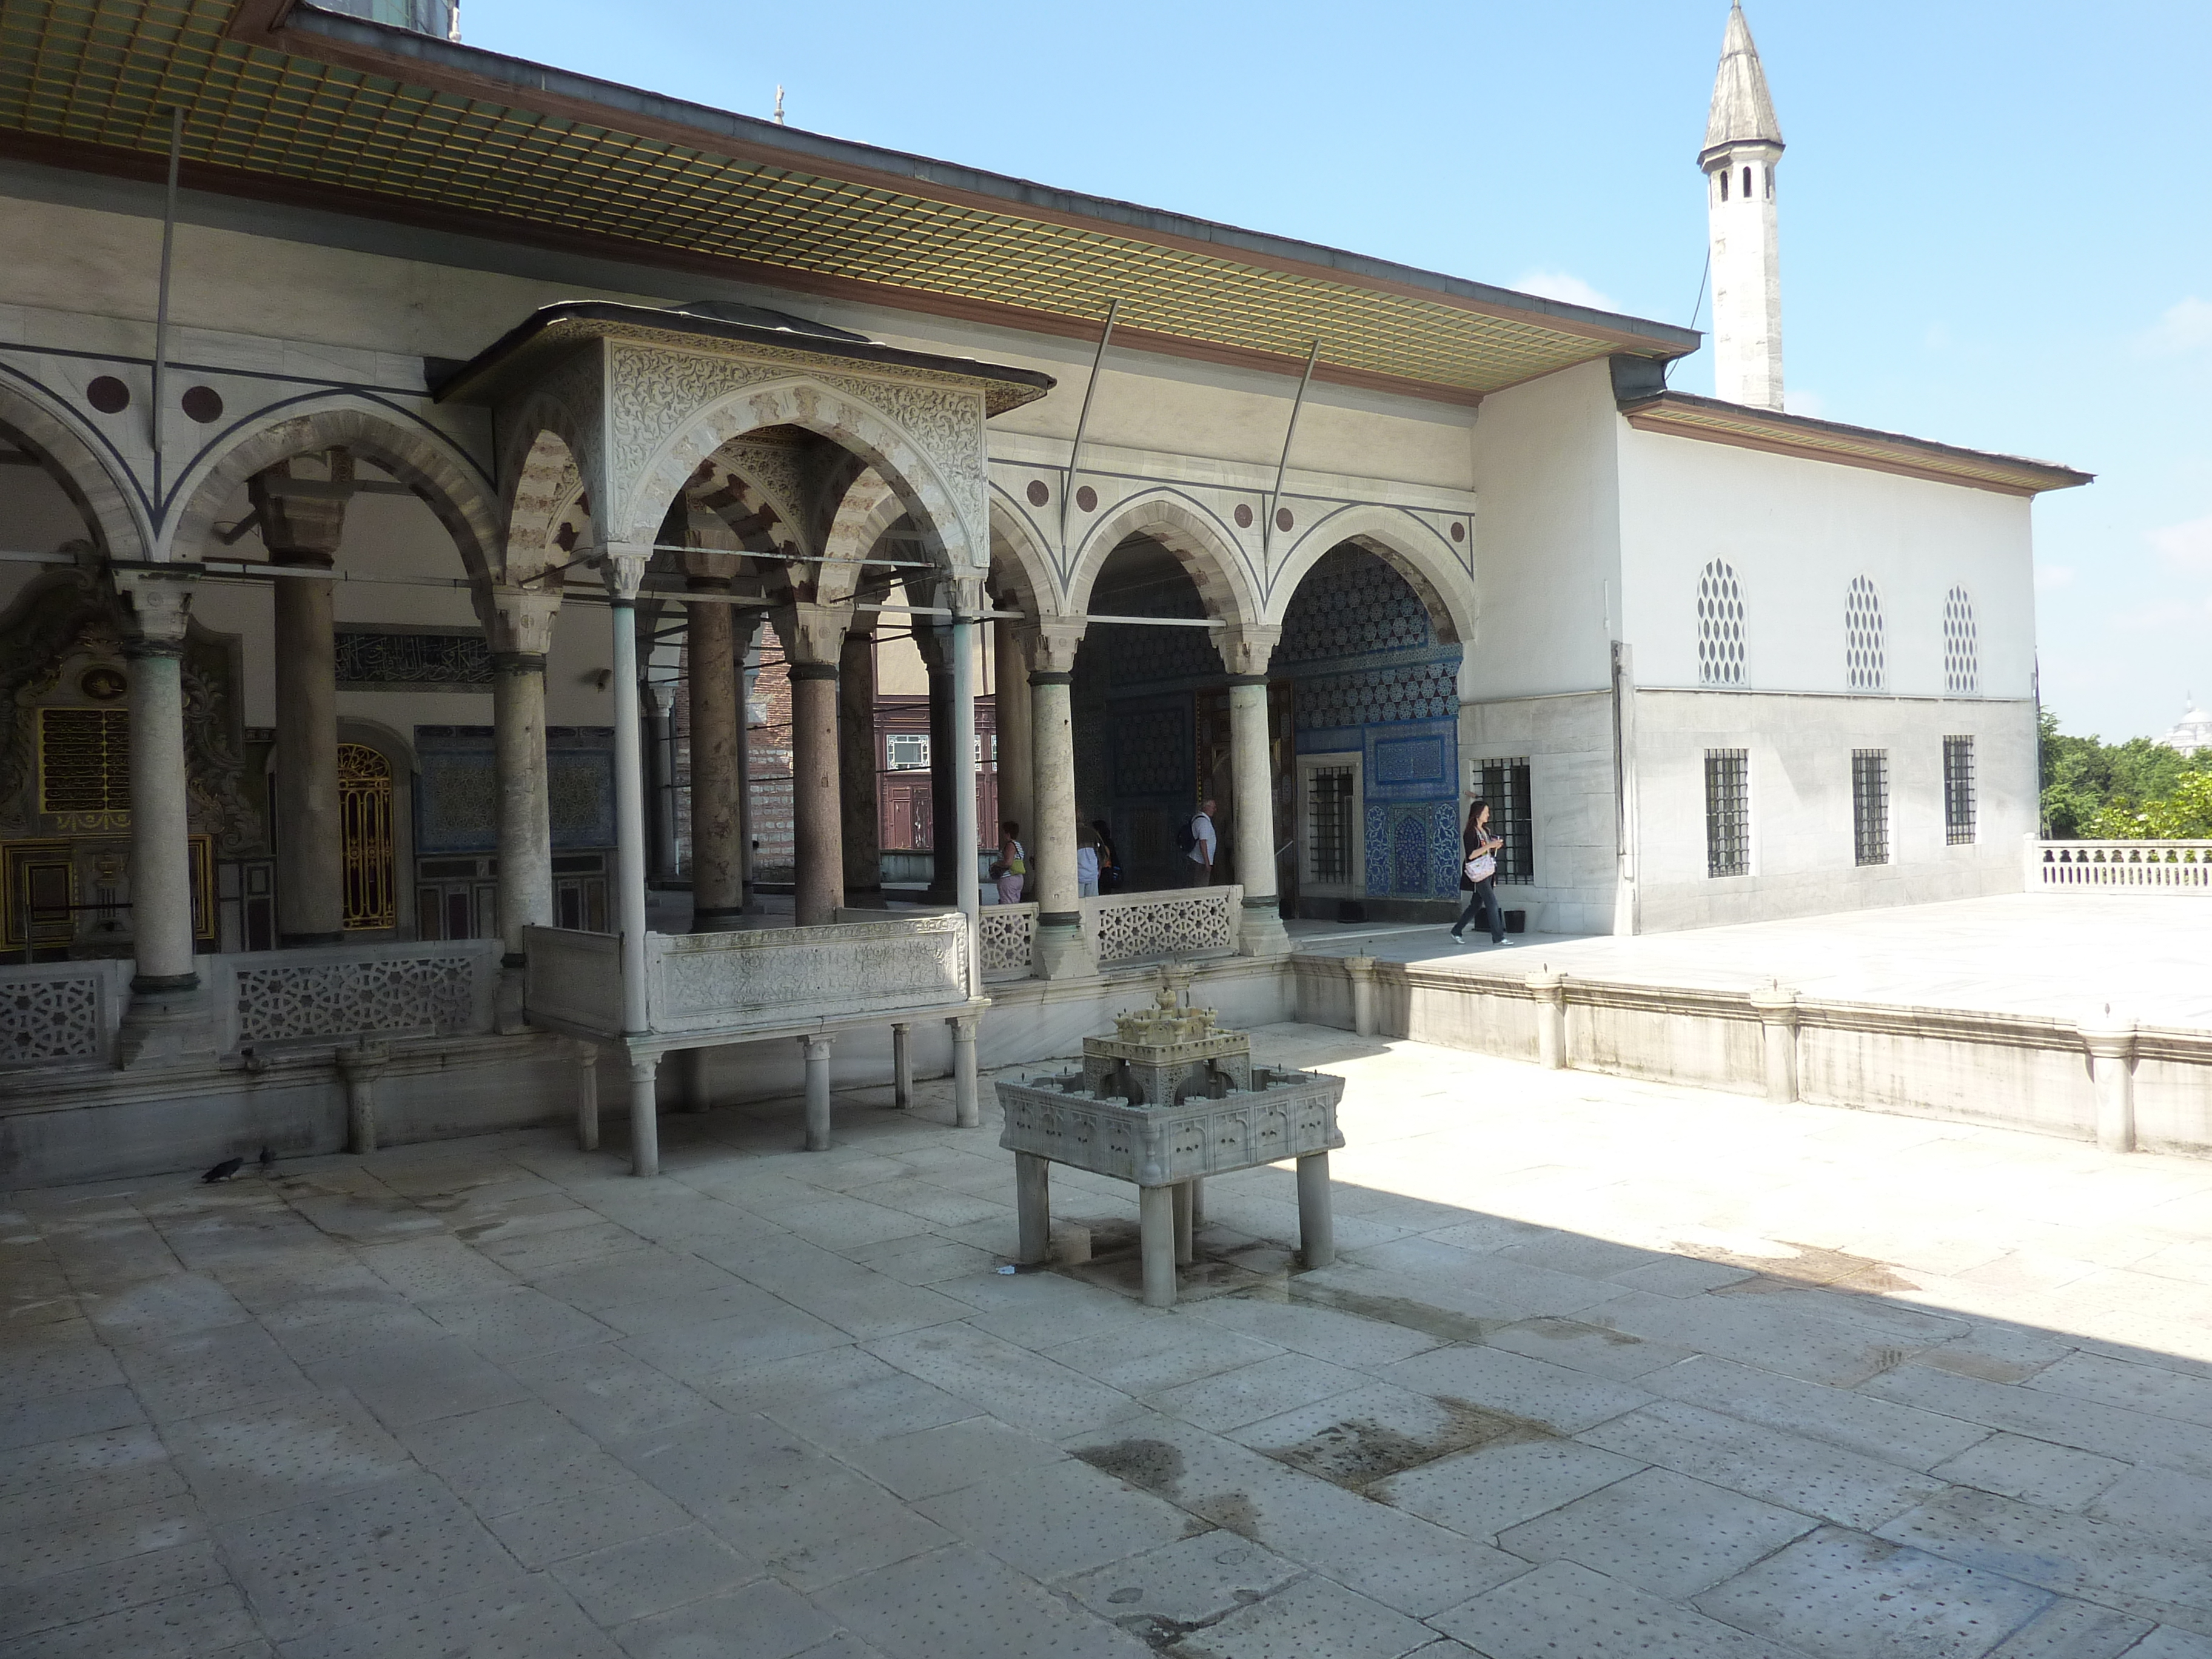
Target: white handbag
1482	866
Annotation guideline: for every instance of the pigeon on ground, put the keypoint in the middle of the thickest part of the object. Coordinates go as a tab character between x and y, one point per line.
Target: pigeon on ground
224	1171
268	1160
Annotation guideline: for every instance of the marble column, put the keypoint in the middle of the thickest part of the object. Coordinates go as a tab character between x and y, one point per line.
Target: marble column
1011	703
1048	651
623	568
519	623
966	599
856	767
167	1018
657	698
302	519
813	640
933	641
718	823
1245	651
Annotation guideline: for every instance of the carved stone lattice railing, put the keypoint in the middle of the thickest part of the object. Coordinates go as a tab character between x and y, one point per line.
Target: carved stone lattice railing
710	988
2162	865
1008	940
1149	927
61	1013
335	994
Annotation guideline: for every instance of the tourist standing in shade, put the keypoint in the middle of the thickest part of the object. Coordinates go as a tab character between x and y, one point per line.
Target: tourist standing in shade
1086	862
1479	876
1203	843
1012	865
1109	861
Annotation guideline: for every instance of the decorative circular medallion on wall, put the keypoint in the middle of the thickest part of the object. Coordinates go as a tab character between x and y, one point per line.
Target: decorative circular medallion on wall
1244	516
1283	519
1459	531
1087	499
203	404
103	683
1038	493
109	395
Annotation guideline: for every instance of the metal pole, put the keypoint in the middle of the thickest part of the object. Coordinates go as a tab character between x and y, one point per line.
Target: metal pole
1083	420
1267	524
161	305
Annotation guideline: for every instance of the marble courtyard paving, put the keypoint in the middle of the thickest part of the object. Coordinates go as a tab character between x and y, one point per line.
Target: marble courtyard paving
1606	1369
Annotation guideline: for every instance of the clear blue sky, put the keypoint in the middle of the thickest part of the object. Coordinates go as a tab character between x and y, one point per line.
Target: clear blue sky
1996	217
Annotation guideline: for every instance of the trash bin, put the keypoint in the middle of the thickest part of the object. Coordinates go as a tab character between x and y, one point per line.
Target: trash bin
1516	922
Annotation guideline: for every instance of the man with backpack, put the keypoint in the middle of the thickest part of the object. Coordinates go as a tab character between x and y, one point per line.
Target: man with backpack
1197	842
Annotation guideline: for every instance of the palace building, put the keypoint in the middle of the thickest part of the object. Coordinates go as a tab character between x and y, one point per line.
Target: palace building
478	538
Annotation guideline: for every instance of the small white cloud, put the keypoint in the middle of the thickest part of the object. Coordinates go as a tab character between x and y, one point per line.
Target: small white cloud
1798	401
2186	326
2049	578
1564	285
2185	546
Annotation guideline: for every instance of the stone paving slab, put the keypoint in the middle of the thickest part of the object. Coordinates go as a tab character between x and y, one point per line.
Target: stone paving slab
1862	1389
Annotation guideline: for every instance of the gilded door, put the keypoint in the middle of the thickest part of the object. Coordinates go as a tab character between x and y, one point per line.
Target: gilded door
365	820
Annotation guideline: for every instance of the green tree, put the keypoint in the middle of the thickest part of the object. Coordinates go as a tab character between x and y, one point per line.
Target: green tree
2132	790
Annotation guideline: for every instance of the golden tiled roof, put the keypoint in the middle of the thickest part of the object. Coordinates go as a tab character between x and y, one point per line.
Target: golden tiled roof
371	119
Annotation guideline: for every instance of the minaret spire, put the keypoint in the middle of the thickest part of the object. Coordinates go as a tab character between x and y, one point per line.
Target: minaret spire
1743	143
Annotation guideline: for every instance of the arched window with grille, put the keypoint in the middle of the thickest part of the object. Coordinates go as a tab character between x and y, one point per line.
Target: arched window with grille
1962	667
1720	625
1864	668
368	836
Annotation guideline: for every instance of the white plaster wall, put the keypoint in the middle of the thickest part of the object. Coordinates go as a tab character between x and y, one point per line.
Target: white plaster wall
1568	741
1547	537
450	296
1797	530
1802	855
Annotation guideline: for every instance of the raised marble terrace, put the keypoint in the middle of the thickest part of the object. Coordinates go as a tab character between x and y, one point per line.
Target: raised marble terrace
1849	1387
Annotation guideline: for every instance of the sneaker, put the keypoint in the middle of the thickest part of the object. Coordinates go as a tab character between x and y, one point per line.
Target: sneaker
1502	941
1457	939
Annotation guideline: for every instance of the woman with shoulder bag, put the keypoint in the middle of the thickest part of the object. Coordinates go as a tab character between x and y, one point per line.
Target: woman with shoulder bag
1479	876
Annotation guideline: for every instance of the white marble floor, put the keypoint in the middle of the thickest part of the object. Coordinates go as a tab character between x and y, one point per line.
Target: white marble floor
1607	1369
2059	954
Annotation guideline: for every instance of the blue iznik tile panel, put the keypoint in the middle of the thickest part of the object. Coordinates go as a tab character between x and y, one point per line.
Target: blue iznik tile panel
1369	675
1151	745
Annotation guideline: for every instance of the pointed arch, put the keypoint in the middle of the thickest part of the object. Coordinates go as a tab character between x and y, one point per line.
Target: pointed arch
68	451
1201	543
1416	550
931	499
1021	570
430	463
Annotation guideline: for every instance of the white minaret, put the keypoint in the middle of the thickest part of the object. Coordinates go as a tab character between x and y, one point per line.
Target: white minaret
1743	142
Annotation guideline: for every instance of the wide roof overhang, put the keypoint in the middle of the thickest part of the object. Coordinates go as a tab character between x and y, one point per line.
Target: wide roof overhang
288	103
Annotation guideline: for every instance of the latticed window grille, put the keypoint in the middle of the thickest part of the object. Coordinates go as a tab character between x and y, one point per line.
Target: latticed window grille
1330	804
367	837
1870	806
907	752
1505	785
1863	667
1959	791
1720	625
1962	671
1727	812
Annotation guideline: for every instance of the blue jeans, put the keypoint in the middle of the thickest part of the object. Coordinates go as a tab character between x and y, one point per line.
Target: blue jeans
1484	898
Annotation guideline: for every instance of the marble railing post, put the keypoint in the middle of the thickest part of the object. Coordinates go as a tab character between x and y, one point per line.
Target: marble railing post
2110	1042
302	519
519	623
168	1018
856	767
1548	988
1777	1008
1245	651
718	826
1048	649
813	640
623	570
1015	761
1360	970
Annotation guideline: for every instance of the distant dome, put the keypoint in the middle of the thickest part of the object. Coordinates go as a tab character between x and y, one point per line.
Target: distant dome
2194	732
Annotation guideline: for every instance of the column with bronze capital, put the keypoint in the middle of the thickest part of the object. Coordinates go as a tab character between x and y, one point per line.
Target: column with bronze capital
518	625
168	1018
300	504
1244	651
813	640
1048	647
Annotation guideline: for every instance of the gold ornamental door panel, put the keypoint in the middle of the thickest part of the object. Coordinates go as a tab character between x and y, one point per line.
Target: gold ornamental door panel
372	890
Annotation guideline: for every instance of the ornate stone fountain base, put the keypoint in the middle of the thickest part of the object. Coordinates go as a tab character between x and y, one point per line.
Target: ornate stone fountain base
1231	1114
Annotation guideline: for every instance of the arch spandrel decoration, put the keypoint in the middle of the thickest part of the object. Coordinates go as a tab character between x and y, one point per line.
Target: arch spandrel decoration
1204	547
56	438
1410	545
669	409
